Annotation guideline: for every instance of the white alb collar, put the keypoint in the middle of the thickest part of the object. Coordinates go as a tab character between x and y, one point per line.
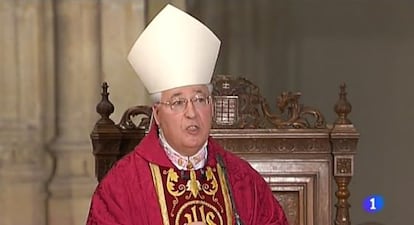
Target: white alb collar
195	162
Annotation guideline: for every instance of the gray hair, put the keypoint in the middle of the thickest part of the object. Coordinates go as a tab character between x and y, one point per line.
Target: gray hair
156	97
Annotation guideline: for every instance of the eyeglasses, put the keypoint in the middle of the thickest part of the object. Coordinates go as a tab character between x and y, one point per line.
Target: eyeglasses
180	104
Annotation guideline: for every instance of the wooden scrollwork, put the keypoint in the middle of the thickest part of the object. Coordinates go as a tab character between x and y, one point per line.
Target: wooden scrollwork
239	104
127	118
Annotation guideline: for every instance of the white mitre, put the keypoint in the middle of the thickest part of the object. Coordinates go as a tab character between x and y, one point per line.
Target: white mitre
174	50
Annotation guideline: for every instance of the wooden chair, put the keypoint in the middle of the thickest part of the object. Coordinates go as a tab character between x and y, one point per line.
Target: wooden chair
297	153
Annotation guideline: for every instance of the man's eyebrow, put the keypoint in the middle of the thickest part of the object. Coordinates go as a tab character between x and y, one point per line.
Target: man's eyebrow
198	91
178	94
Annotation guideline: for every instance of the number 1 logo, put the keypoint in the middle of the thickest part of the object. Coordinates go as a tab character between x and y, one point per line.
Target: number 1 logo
373	203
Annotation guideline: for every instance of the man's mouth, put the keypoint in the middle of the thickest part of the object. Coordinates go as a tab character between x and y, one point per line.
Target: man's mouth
192	128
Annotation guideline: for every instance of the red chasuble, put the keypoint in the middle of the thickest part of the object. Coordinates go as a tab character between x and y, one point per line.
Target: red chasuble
145	188
188	196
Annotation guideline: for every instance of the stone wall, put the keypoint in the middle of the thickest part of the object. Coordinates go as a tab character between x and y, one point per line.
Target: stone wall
54	56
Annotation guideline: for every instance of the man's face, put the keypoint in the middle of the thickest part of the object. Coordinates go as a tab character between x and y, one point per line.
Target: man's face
184	116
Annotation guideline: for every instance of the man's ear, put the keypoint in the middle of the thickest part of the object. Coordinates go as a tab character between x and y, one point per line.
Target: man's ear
155	114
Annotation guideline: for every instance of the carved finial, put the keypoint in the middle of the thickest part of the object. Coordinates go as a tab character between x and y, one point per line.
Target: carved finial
343	107
105	107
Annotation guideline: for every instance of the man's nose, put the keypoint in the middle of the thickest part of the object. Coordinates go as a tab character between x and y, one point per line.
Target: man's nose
190	110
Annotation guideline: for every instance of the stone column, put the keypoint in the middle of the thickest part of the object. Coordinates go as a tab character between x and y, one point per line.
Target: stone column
121	23
78	72
26	90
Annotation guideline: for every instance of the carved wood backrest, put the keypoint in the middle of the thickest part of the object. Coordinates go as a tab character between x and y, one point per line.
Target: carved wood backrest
295	150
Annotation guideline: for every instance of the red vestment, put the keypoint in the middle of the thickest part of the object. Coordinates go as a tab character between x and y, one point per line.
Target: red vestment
127	194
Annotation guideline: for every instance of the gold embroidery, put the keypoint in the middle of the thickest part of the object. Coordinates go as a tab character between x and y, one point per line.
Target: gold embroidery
189	165
180	162
172	178
193	208
212	188
214	185
193	185
197	206
225	191
156	178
